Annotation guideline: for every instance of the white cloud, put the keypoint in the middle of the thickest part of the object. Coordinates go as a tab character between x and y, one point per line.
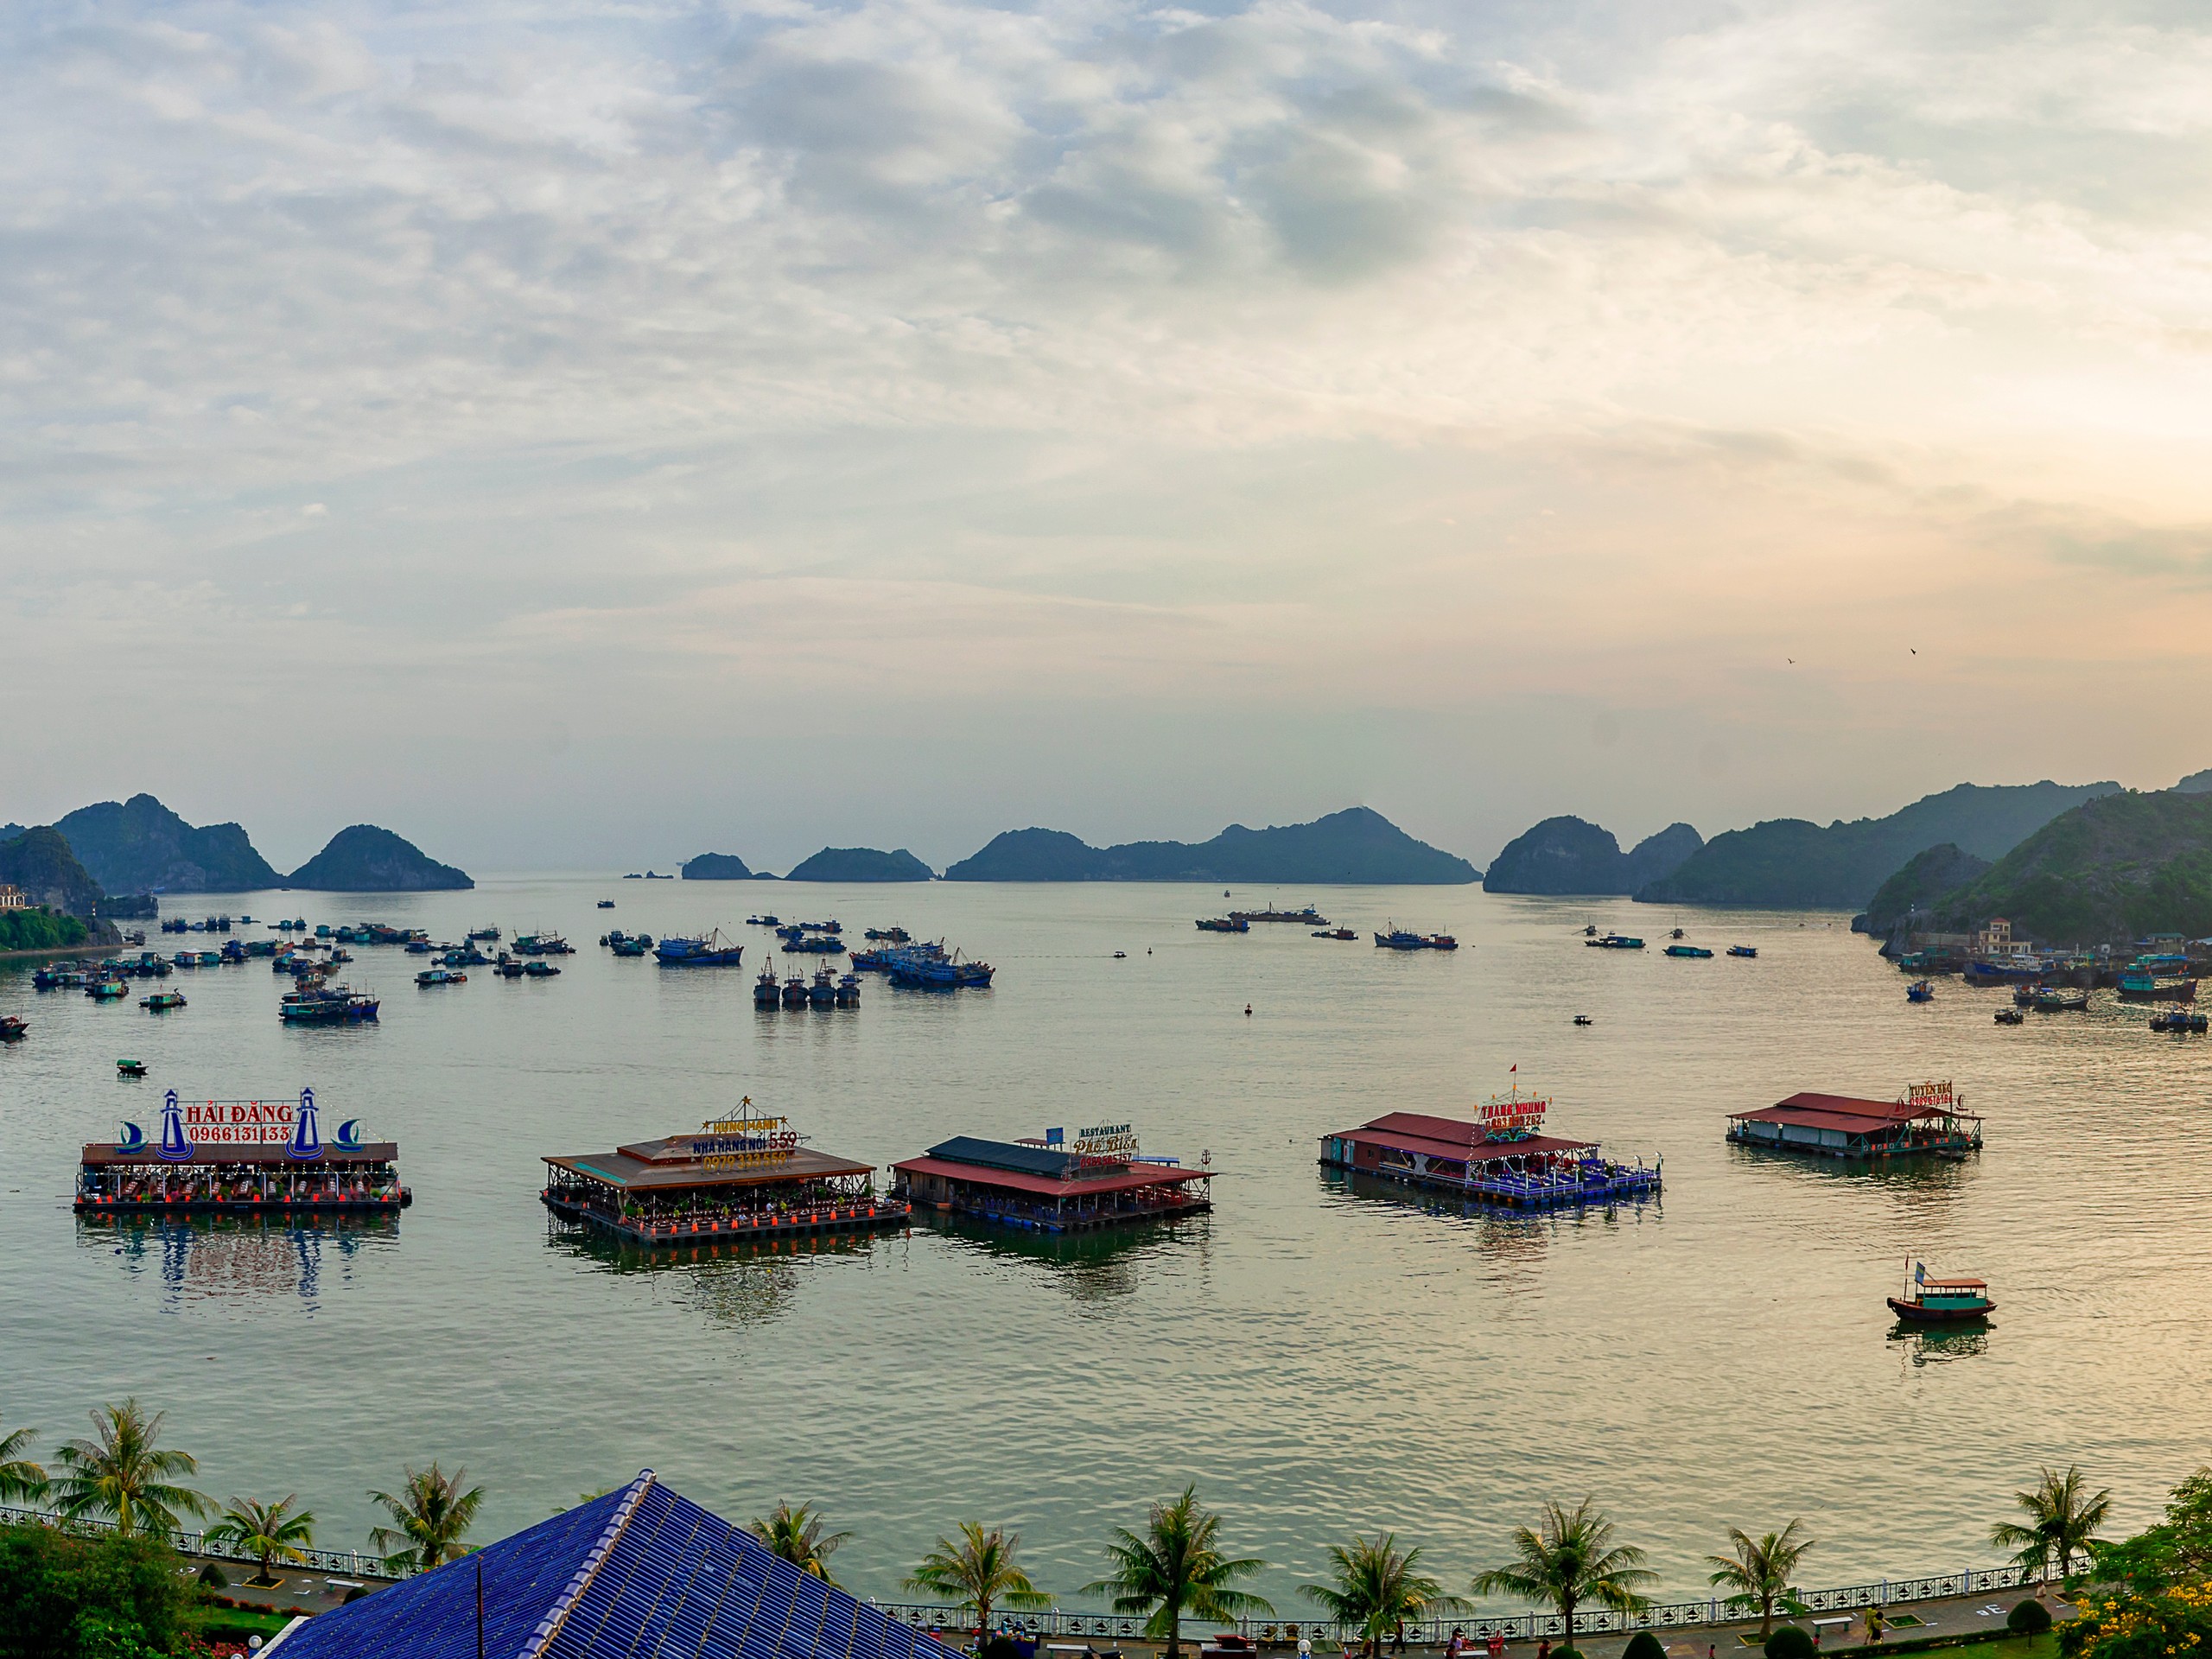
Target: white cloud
1218	349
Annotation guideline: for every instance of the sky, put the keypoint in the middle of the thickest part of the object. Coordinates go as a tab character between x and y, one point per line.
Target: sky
585	434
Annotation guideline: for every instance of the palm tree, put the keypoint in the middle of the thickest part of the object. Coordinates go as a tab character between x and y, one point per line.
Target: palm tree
19	1475
1174	1566
123	1471
1760	1570
978	1572
265	1531
432	1512
1570	1559
795	1534
1378	1586
2061	1521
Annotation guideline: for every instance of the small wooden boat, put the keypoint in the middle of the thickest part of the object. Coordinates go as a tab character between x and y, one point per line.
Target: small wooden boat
607	904
1687	950
1336	933
1615	942
2011	1017
1584	1020
1941	1302
12	1028
130	1068
1920	991
162	1001
1742	950
2180	1021
2048	999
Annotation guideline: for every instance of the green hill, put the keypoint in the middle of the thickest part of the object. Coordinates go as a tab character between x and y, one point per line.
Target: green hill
2113	869
1571	855
722	867
862	864
40	930
1356	845
40	862
1791	864
1921	886
140	846
363	858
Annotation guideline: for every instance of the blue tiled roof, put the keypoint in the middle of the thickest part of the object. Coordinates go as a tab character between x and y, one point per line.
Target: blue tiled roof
1052	1164
640	1572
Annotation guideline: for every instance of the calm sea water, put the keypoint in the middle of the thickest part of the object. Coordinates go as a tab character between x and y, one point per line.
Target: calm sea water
1319	1360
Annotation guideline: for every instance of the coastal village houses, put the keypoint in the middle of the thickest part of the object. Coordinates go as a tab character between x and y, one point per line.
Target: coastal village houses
12	897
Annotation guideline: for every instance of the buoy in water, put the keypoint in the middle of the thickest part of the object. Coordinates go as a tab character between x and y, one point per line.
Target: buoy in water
1248	1010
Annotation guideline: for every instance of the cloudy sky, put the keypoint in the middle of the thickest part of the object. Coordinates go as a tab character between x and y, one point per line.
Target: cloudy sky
582	434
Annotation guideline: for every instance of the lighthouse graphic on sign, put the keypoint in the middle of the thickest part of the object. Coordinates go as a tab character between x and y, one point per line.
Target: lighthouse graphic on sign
306	1139
176	1146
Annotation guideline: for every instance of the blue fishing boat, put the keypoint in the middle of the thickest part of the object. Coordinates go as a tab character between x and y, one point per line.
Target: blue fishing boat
1743	951
1982	971
1692	951
711	951
636	947
2141	985
1223	924
768	990
849	992
817	945
430	976
1615	942
1920	991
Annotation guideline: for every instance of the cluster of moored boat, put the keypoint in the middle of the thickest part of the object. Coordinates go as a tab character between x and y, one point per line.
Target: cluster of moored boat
827	989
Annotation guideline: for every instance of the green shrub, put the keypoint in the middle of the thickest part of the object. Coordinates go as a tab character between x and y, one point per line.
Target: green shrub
214	1578
1790	1642
2029	1617
1644	1645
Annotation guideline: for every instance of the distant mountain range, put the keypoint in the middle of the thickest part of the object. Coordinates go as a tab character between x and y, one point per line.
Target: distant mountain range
140	846
1571	855
722	867
1357	845
1789	863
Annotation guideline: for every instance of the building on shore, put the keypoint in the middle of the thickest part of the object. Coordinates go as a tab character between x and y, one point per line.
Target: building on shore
1498	1158
746	1176
1053	1184
1928	1118
638	1570
240	1157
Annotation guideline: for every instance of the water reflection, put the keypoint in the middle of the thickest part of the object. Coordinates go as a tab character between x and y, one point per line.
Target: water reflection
1923	1346
737	1283
1516	1238
1095	1269
233	1258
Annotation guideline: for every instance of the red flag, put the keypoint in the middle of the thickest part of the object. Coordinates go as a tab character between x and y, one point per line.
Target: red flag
1516	1066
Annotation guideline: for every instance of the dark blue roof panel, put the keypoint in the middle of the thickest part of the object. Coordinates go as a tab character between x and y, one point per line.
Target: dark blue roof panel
638	1573
1005	1154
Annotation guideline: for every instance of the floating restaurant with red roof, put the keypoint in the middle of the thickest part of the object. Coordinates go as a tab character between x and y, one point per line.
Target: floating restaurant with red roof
1929	1117
742	1177
1053	1185
240	1157
1499	1158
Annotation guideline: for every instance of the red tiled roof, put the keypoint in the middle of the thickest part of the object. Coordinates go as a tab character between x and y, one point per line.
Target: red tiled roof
1446	1137
1140	1174
1843	1113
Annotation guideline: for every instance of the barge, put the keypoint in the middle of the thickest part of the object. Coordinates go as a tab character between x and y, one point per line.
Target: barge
1052	1184
1929	1117
741	1177
240	1157
1498	1158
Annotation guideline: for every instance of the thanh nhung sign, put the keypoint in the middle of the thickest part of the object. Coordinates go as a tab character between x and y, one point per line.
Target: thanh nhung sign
1513	1118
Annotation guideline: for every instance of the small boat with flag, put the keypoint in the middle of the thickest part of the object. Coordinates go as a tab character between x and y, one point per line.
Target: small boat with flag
1941	1302
162	1001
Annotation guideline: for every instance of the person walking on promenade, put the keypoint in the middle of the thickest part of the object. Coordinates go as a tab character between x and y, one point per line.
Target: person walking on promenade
1398	1637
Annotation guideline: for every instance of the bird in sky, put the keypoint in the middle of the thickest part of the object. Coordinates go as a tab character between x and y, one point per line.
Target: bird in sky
1915	650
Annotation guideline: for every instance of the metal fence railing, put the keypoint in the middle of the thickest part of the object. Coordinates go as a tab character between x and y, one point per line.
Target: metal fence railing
1514	1627
348	1563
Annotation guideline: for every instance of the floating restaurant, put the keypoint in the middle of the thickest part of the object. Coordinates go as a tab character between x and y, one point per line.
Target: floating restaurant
240	1157
1050	1184
746	1176
1500	1158
1929	1117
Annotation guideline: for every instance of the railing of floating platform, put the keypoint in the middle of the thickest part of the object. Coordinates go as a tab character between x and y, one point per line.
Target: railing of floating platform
1514	1627
349	1563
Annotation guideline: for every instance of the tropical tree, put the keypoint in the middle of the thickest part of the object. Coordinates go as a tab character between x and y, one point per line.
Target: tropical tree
2062	1519
431	1513
1377	1586
19	1475
795	1534
1175	1567
981	1570
1760	1570
1567	1558
268	1532
124	1473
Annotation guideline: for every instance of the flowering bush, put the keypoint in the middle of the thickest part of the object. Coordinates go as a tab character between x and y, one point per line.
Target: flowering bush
2169	1624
